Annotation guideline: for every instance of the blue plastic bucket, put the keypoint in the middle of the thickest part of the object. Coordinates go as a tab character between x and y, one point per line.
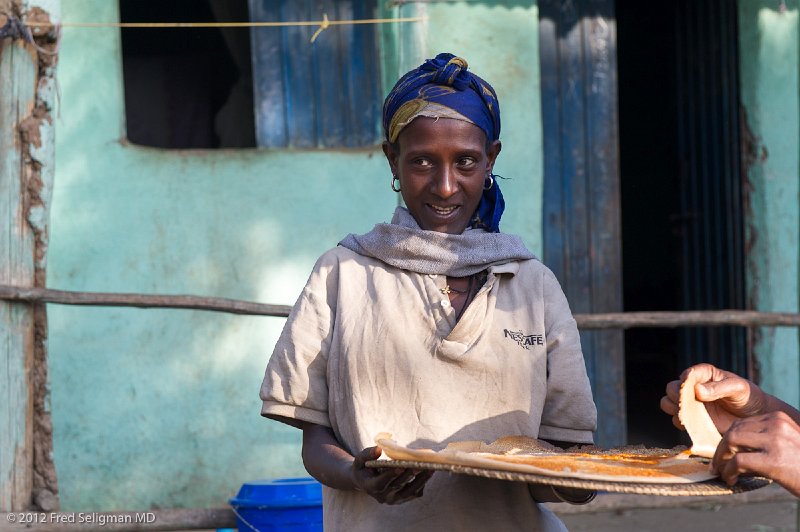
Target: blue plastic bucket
293	504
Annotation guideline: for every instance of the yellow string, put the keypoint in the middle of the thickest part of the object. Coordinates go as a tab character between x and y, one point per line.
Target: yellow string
323	24
322	27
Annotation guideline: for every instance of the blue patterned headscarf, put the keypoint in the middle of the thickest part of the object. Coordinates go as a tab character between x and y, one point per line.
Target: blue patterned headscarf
443	88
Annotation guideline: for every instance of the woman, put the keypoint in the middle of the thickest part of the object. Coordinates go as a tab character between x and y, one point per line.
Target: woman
435	327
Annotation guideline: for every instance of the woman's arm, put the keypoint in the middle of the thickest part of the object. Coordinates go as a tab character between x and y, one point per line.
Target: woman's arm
327	461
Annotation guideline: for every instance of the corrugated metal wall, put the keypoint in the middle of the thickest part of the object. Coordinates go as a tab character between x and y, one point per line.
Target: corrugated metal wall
316	95
582	243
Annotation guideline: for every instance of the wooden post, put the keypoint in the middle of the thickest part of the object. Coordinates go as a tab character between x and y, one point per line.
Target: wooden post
18	84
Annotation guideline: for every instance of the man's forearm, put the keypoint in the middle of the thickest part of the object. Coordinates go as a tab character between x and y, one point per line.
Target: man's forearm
776	405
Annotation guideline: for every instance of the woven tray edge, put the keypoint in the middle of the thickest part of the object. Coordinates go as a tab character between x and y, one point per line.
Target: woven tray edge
705	488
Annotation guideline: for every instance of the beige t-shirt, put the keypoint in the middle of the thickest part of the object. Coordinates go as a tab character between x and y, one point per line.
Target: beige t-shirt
370	348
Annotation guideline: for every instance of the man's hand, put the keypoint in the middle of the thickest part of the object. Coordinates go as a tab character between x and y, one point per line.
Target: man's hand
766	445
727	396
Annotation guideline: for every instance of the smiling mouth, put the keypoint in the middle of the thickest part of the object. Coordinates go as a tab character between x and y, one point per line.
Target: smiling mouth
443	211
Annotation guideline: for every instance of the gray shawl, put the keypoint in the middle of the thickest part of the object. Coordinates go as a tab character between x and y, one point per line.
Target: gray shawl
404	245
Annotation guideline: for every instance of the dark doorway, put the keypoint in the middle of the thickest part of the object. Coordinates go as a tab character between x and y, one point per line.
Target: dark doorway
681	194
187	87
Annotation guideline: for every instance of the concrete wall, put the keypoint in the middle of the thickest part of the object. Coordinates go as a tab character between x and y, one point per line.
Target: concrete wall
160	407
769	62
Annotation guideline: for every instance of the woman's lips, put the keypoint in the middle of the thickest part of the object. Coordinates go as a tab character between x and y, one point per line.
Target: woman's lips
443	211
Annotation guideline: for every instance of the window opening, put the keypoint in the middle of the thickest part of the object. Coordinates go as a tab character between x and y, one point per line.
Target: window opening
245	87
187	87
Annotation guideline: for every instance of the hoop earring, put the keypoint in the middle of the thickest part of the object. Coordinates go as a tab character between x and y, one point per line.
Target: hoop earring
395	178
490	178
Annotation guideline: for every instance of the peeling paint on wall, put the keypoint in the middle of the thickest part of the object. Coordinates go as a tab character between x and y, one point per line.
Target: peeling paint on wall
37	142
768	47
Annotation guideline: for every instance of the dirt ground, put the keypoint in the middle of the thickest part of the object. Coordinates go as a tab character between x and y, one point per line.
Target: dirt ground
765	510
769	509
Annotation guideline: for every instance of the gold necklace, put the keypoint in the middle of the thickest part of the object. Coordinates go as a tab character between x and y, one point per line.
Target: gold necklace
447	289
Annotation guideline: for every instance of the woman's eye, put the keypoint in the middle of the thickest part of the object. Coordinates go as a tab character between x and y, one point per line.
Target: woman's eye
466	162
422	162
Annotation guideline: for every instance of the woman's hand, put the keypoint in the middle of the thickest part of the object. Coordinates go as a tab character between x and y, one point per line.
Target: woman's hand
727	396
327	461
766	445
387	485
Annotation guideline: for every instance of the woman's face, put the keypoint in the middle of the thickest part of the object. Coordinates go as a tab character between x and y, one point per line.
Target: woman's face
442	165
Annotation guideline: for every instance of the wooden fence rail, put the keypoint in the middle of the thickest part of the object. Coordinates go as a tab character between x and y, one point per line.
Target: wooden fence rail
613	320
104	299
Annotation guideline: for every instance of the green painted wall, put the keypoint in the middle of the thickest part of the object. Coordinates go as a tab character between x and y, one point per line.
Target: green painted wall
769	72
160	407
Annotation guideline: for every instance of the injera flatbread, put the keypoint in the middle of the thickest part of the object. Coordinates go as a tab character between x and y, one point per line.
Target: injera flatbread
694	417
528	455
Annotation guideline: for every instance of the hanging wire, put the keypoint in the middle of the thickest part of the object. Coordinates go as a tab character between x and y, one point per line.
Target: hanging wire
15	25
321	23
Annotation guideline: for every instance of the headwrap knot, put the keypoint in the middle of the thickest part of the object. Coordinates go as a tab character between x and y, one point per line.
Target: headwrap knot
453	72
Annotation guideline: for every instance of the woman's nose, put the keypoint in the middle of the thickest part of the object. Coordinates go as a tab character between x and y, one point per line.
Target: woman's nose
445	183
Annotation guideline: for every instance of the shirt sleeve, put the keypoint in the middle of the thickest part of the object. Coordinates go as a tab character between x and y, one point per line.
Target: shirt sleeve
295	386
569	412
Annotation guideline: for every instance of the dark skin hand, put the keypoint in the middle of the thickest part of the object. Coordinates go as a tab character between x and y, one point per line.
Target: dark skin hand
326	460
727	396
760	433
766	445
